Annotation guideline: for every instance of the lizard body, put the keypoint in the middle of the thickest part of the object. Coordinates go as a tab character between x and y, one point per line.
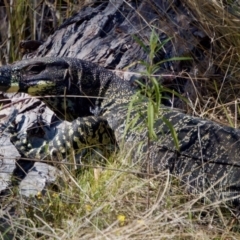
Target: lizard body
98	100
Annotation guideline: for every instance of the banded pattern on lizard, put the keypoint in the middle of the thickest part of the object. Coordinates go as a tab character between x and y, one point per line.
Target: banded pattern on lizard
209	153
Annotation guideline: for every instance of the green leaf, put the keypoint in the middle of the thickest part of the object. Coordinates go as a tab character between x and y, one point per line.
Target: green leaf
174	59
151	131
173	132
140	43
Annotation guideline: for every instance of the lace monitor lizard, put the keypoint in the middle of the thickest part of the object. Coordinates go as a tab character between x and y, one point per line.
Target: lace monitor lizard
96	110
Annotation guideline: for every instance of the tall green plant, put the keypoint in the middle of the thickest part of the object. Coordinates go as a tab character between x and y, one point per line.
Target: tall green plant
152	89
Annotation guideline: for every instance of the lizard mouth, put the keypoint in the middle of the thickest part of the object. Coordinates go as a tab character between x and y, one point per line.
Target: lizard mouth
42	87
35	87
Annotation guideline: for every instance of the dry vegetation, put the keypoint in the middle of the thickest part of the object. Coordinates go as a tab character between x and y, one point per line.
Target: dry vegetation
118	204
31	20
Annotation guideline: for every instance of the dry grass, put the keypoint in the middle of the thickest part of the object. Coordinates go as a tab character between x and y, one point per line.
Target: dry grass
218	94
31	20
119	204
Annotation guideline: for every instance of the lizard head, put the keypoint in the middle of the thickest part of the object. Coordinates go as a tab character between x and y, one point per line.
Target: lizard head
54	77
37	77
88	84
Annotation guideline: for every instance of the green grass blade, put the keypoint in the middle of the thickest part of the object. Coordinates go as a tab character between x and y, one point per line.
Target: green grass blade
173	132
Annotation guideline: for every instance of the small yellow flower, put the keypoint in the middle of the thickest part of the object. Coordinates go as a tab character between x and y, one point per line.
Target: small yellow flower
39	195
54	195
121	218
88	208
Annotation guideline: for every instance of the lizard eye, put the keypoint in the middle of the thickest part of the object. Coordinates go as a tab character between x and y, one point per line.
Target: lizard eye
35	69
